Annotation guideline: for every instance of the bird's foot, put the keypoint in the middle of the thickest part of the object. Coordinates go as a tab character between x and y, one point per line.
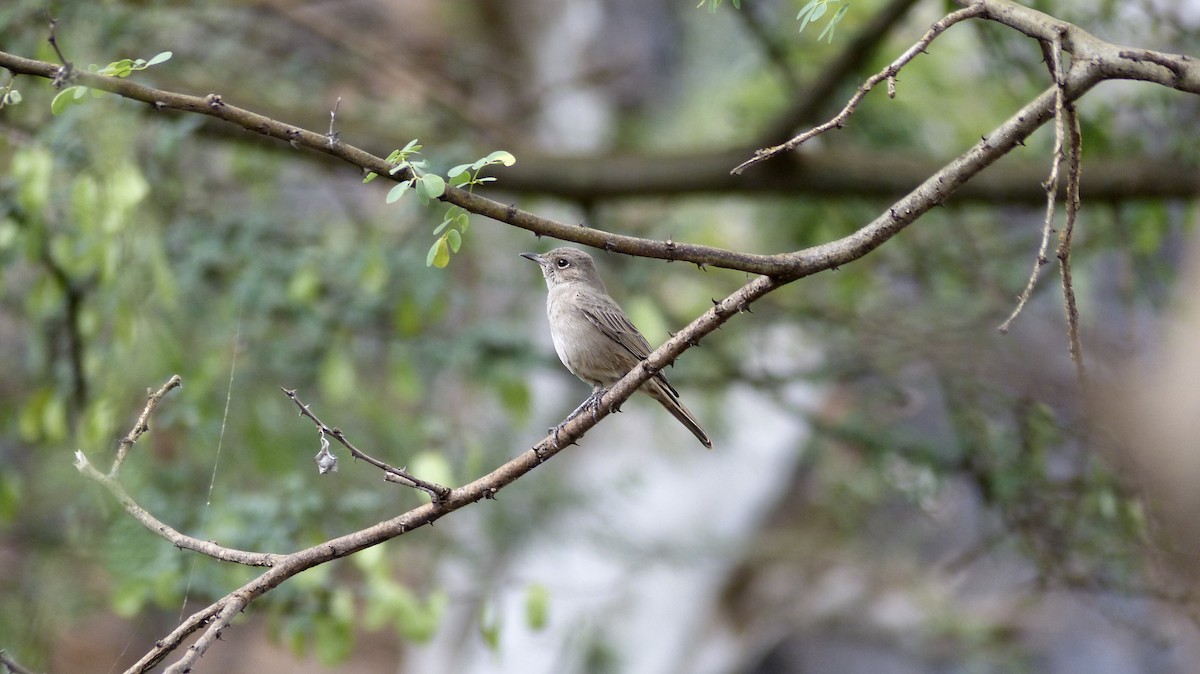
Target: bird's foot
591	403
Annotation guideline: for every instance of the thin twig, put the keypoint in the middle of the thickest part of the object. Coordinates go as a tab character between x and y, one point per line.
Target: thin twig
1074	161
887	74
142	424
13	666
1054	54
333	135
436	491
64	73
179	540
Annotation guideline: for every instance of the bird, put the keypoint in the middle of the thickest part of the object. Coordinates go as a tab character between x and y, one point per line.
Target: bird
594	338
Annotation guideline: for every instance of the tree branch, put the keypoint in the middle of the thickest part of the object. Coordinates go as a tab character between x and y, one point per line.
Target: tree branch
436	491
887	74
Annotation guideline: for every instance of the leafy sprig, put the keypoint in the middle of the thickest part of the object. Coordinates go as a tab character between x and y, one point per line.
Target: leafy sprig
816	9
431	186
122	68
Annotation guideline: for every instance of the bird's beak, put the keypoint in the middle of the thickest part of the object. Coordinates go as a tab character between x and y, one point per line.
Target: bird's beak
535	257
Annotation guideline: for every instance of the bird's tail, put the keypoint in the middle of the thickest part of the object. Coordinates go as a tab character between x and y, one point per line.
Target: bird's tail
668	398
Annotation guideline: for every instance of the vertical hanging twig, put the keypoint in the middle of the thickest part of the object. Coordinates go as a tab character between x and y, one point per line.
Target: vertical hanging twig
1053	53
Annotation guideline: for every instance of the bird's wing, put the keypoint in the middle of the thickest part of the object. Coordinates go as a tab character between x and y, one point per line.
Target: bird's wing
613	323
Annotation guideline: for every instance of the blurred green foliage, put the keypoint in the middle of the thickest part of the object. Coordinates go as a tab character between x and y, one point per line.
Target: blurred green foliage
135	245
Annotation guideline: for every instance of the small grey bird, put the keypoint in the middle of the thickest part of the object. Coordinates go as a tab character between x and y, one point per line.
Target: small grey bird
594	338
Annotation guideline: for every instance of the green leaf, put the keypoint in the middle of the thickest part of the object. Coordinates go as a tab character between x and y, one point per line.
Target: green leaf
435	186
371	175
64	98
439	254
398	191
537	607
832	24
805	14
501	157
454	239
117	68
818	11
410	147
457	170
443	226
158	58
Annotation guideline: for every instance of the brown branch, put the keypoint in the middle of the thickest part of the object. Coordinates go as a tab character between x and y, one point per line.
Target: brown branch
1102	63
436	491
220	621
165	646
179	540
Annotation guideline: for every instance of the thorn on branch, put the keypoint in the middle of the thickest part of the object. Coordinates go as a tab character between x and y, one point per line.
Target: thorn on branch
333	135
214	101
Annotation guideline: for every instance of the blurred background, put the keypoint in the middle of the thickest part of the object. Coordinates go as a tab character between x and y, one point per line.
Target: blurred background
895	488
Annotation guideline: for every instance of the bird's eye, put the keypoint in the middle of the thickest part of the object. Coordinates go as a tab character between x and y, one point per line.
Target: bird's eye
563	263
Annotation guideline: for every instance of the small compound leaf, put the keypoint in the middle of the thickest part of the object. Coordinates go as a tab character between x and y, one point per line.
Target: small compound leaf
439	254
501	157
445	223
158	58
454	239
435	186
458	170
398	191
64	98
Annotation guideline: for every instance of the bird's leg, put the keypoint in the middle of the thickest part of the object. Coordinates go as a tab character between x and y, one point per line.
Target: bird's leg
592	402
